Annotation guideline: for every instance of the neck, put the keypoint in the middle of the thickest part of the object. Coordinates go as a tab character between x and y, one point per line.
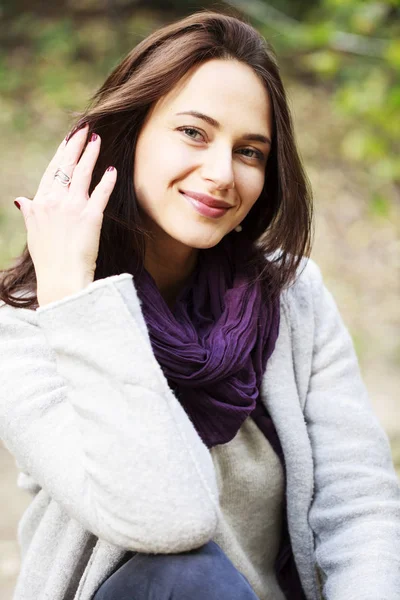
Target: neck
170	264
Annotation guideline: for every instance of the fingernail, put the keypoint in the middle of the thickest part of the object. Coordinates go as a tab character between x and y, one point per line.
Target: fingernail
17	204
110	169
70	135
94	137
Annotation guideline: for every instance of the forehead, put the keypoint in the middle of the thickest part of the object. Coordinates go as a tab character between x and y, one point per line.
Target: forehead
226	90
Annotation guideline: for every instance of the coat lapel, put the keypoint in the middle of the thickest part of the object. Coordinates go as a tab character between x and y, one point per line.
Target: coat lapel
281	398
103	562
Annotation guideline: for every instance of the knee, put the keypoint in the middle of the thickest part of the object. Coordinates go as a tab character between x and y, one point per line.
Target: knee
202	574
208	574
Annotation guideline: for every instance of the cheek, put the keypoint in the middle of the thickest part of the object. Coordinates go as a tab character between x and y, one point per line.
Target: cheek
250	187
175	162
162	161
158	166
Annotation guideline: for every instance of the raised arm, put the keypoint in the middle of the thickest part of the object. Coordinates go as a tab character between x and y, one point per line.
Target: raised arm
87	412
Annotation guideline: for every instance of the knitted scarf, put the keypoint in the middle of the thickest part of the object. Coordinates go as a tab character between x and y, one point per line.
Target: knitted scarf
213	347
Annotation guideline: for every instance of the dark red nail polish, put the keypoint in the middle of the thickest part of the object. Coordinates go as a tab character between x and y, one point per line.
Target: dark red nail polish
71	134
93	137
17	204
110	168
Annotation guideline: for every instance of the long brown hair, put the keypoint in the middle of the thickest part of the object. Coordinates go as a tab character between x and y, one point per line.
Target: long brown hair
279	223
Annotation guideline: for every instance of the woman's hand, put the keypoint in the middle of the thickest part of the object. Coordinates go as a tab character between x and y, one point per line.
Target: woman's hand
63	223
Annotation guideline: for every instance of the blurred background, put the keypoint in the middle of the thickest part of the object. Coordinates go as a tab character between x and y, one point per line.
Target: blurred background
340	61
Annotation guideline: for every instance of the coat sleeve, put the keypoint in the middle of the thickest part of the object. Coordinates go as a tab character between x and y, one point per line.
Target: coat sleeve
355	514
88	414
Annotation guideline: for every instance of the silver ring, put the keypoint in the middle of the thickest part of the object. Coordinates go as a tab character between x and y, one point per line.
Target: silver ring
62	177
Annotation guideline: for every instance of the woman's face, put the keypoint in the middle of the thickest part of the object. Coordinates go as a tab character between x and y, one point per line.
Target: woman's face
216	154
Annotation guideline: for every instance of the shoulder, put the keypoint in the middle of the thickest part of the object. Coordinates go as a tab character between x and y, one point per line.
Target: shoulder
301	299
16	317
308	278
311	314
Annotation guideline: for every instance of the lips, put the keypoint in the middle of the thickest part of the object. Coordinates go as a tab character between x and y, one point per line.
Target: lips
208	200
204	209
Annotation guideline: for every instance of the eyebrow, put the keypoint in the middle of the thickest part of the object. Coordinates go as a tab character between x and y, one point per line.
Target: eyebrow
254	137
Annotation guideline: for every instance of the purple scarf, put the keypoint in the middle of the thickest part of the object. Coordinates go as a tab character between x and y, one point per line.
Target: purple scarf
213	348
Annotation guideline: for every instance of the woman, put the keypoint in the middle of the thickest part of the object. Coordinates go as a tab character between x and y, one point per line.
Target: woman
160	328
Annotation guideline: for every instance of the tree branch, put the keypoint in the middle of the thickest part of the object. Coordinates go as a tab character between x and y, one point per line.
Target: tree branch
340	41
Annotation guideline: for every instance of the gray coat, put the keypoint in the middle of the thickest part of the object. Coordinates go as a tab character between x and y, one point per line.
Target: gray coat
114	463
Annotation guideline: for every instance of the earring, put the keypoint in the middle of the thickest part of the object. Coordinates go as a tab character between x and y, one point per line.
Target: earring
238	228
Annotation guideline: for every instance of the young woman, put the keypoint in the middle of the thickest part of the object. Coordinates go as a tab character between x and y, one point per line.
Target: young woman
179	391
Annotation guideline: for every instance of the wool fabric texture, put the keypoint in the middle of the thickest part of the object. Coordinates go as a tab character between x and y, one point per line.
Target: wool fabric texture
214	345
213	348
89	376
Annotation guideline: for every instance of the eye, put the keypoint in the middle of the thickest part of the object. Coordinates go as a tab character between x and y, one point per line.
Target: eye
256	153
189	129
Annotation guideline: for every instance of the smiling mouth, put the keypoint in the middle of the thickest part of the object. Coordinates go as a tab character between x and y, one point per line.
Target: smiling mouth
205	210
205	199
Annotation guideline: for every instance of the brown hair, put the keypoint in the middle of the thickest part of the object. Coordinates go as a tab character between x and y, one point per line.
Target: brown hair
279	223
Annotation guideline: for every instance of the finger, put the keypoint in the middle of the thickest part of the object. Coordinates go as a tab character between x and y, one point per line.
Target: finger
82	176
74	130
48	177
24	205
47	181
69	159
103	190
51	168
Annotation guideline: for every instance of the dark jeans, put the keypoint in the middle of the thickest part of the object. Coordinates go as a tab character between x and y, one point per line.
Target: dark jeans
202	574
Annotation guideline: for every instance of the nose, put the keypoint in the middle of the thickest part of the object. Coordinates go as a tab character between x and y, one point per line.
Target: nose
218	168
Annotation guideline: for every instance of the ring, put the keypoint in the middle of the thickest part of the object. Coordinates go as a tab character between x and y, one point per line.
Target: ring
62	177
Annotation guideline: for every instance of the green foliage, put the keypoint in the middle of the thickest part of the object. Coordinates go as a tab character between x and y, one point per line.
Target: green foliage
379	206
49	67
353	46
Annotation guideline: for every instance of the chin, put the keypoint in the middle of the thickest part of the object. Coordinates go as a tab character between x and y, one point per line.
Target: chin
198	241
